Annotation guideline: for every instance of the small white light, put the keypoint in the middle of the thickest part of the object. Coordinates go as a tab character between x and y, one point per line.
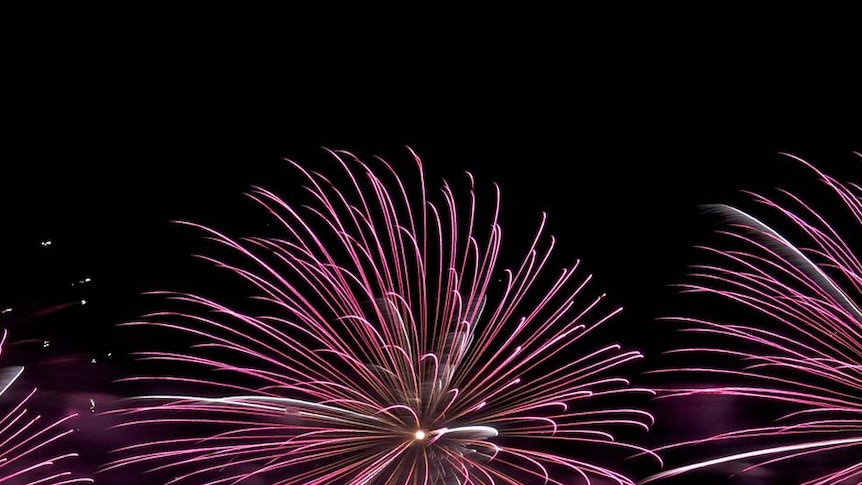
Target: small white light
83	302
420	435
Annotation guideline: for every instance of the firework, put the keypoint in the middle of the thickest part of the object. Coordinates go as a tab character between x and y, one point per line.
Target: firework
386	346
23	438
808	354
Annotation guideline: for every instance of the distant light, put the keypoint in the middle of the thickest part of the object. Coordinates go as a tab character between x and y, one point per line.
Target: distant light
46	344
92	405
83	302
420	435
6	310
46	243
93	361
86	280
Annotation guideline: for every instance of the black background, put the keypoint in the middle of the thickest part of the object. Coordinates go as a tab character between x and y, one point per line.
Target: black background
619	135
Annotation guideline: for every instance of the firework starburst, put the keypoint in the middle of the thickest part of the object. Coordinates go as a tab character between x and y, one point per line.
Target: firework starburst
24	437
386	345
807	354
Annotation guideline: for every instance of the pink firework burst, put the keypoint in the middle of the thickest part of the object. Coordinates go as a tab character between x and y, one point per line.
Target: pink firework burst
24	438
386	346
808	354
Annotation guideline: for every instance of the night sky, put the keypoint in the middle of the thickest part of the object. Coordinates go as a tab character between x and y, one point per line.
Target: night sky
102	150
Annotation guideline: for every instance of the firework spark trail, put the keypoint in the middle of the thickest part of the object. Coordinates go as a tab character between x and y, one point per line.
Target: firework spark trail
23	437
382	356
812	360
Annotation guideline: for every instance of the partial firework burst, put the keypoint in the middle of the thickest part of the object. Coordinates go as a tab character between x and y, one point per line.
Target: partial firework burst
386	346
24	437
809	356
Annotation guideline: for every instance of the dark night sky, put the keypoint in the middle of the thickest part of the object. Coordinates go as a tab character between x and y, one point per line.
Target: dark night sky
103	147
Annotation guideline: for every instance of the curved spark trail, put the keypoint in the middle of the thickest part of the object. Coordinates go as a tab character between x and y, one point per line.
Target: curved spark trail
385	345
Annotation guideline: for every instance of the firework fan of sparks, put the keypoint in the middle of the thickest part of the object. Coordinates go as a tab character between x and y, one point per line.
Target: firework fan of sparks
23	437
811	359
380	355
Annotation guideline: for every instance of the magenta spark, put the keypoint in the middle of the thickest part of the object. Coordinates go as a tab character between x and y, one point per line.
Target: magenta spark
385	345
24	439
809	357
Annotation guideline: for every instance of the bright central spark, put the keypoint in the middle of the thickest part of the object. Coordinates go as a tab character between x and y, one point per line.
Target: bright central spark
420	435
